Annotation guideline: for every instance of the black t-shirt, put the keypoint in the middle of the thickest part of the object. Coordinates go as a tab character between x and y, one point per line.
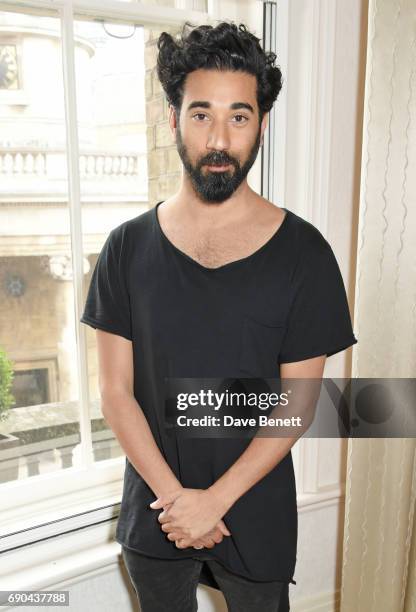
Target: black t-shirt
284	302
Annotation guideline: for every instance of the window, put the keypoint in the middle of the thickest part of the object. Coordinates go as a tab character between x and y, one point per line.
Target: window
9	69
34	383
84	145
82	149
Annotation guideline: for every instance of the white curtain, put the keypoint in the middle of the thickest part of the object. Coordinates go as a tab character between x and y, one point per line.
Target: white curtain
379	560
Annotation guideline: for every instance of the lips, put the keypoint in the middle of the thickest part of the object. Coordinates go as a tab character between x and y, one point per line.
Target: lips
219	168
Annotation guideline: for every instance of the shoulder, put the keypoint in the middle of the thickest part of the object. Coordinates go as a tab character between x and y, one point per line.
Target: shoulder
132	232
312	255
308	239
304	236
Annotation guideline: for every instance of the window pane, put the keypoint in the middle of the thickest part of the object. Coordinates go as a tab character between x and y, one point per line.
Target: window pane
128	157
39	408
128	161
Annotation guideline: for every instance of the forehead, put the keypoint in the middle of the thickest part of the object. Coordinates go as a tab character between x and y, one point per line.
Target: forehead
220	87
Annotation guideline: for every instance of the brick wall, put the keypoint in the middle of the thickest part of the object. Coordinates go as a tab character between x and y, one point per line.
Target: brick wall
164	164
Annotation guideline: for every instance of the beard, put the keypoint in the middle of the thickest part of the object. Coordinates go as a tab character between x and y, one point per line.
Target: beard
216	186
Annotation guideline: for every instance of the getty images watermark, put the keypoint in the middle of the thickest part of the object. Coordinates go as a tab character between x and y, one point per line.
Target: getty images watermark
278	407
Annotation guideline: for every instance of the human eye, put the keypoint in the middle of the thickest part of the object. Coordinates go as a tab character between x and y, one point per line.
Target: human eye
244	118
199	115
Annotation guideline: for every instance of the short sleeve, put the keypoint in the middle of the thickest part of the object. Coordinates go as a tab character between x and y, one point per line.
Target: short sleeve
319	321
107	305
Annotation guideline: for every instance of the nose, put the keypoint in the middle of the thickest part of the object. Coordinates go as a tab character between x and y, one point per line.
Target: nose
218	137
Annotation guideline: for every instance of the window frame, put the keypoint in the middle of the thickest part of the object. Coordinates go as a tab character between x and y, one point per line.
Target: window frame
26	503
42	506
273	166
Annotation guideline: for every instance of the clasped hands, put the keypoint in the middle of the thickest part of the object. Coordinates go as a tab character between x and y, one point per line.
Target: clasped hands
192	517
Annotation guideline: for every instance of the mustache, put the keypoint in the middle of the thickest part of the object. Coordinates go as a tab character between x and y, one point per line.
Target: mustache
216	159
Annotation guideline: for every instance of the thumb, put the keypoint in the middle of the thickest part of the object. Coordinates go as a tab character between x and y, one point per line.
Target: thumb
162	501
158	503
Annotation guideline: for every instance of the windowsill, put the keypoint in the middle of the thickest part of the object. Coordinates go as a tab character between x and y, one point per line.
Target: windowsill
47	503
65	558
57	562
333	495
84	507
84	518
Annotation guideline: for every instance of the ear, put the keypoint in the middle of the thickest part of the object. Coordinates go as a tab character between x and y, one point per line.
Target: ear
264	123
172	119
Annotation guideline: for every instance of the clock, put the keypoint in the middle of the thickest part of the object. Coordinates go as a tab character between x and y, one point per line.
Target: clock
8	67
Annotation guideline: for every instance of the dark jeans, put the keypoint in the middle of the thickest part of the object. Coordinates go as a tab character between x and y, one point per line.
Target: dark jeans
169	585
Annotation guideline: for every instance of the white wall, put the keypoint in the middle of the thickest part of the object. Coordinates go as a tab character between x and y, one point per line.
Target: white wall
327	54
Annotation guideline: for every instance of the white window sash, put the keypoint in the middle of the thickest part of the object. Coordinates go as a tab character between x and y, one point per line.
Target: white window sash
56	495
44	505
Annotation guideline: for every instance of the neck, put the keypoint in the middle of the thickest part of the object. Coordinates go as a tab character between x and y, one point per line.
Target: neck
188	204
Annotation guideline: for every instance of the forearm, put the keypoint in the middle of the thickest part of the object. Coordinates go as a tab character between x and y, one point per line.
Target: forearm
264	453
125	418
258	459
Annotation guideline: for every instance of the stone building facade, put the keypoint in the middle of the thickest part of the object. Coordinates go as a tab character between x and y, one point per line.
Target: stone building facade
164	164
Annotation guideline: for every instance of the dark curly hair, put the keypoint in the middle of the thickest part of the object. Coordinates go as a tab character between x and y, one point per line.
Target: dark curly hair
223	47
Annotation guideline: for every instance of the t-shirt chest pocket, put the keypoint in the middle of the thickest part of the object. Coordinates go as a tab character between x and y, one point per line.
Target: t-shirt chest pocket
260	347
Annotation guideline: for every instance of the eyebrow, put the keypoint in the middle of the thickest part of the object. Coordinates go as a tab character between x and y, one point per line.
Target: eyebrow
233	106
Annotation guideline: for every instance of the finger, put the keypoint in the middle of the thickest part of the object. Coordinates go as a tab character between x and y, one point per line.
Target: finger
167	527
224	529
213	536
208	542
188	543
182	543
178	535
163	517
217	537
165	499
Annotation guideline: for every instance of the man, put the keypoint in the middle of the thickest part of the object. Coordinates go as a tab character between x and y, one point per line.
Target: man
216	281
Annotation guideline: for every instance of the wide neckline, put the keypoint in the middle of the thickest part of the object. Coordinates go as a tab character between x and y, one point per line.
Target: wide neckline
230	264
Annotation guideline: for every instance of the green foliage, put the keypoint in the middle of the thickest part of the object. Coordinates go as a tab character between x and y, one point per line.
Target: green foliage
6	380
